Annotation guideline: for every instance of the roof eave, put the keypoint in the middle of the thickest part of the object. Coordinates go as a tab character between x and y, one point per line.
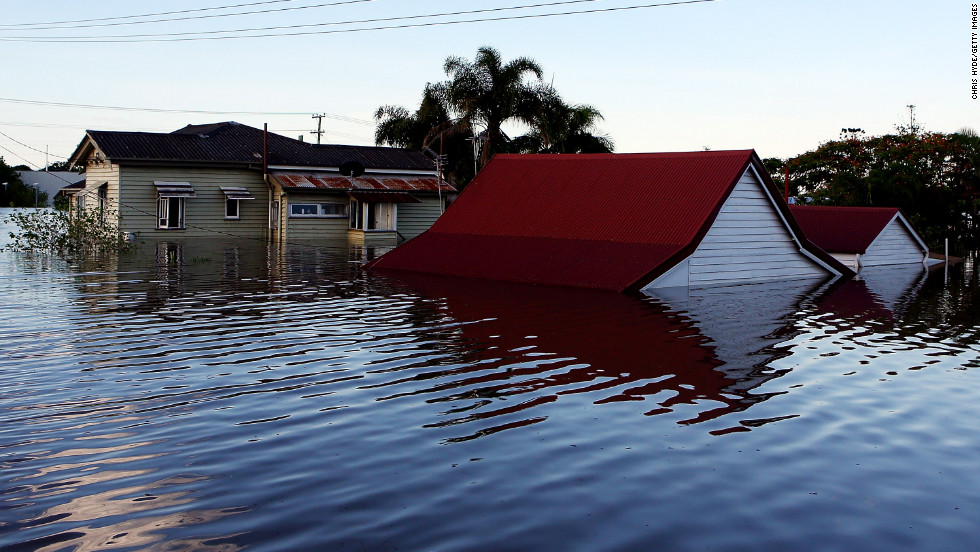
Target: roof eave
78	156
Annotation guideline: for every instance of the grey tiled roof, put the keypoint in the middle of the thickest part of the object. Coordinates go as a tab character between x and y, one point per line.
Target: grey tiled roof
235	143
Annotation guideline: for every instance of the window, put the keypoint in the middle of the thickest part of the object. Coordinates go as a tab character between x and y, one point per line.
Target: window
322	210
234	195
170	212
231	209
372	216
171	203
103	193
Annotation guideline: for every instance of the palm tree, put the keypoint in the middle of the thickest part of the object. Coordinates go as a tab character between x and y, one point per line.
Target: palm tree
488	93
429	127
399	128
477	100
558	127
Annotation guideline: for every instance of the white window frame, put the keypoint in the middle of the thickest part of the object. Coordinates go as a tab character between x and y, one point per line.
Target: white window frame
238	209
363	212
321	210
163	213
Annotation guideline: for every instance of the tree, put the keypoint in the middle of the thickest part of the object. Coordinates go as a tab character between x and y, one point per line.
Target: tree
933	177
65	166
14	193
557	127
463	117
488	93
429	127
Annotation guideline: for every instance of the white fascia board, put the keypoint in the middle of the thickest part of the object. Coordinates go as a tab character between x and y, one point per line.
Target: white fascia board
786	225
337	170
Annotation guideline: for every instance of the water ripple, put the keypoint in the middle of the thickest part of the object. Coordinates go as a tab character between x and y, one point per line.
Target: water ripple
284	400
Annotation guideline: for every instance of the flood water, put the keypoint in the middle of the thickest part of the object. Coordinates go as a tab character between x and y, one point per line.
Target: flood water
219	396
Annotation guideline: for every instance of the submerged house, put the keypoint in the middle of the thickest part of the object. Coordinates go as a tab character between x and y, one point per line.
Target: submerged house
619	222
862	236
233	180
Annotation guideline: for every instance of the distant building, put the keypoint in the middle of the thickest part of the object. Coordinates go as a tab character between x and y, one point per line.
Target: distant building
50	182
619	222
210	181
862	236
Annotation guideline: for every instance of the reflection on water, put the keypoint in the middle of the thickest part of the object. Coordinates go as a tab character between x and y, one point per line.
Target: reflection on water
218	396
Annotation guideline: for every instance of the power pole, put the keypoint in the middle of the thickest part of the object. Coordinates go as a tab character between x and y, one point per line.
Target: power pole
912	128
319	125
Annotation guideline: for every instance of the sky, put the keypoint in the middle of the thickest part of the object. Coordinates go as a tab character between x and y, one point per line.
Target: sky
778	76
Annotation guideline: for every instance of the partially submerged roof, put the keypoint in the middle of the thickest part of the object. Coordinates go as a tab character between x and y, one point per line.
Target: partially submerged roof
847	229
231	143
609	221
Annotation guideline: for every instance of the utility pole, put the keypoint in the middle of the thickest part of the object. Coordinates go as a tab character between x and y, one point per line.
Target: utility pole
912	128
319	125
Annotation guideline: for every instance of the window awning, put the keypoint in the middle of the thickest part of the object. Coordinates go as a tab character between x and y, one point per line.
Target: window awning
383	197
234	192
174	189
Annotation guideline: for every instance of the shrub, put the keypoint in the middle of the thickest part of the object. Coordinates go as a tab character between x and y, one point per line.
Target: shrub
68	234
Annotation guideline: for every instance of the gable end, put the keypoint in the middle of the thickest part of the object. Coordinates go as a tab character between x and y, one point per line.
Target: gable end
749	240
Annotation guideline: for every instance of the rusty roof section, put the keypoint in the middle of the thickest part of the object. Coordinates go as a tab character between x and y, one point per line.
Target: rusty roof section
843	229
291	180
231	143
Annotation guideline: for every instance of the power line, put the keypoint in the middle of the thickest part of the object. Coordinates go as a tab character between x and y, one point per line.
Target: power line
184	37
29	147
147	14
334	23
11	152
193	111
186	18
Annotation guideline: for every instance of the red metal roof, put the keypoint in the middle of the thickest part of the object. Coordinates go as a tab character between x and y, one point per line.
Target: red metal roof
609	221
842	229
334	181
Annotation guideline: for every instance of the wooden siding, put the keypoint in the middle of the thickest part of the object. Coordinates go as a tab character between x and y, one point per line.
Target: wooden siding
205	214
850	260
375	238
893	246
97	174
415	218
318	229
748	242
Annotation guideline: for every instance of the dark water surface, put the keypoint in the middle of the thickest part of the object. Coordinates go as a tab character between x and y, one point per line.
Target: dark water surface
218	396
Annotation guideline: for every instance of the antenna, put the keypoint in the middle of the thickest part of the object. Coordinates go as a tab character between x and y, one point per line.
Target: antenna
439	159
319	125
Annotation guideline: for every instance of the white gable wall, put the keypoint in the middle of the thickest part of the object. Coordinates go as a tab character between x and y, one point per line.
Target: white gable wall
748	242
895	245
850	260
